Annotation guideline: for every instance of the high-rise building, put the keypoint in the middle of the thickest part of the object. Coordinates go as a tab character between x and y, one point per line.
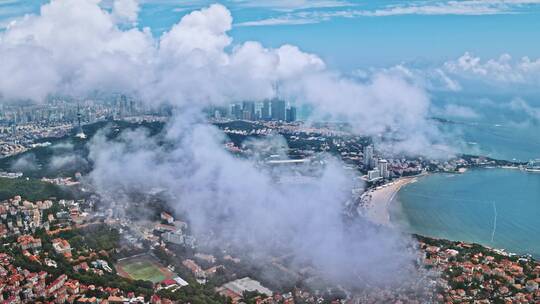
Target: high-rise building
132	107
374	162
265	110
246	115
368	155
383	168
122	106
217	112
291	114
248	110
80	133
278	109
258	108
236	111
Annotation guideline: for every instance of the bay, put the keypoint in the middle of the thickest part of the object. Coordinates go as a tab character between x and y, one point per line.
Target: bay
499	208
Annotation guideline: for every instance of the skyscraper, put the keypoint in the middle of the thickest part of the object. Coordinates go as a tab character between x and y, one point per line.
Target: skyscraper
278	109
265	110
131	107
80	133
236	111
246	115
291	114
368	155
248	110
383	168
122	106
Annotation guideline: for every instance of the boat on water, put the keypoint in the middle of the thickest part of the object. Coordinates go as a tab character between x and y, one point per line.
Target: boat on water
533	166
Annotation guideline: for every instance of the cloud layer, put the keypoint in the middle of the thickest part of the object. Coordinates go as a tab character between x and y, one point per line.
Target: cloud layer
465	8
505	69
470	73
235	203
75	48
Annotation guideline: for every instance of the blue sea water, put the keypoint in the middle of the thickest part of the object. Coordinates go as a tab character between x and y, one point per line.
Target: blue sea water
498	208
500	125
500	140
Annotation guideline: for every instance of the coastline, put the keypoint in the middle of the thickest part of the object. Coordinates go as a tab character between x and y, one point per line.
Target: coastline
486	232
378	201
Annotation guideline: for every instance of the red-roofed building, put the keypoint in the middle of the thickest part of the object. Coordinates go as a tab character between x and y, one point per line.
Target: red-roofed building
28	242
82	266
56	284
194	268
168	282
62	247
72	287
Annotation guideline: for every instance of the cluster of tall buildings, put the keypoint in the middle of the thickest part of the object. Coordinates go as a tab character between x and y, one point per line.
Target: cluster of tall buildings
377	168
275	109
63	110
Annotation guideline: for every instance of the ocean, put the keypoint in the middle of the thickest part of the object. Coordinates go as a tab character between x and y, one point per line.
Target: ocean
499	208
501	126
499	140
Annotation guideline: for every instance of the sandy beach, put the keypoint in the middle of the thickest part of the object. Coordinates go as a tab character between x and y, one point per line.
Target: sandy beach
379	200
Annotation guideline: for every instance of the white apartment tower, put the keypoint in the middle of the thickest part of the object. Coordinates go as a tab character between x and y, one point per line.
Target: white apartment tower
383	168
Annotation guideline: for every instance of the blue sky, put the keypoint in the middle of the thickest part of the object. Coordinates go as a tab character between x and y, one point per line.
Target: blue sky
357	34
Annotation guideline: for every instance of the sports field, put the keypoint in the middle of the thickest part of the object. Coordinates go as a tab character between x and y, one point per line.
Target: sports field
143	268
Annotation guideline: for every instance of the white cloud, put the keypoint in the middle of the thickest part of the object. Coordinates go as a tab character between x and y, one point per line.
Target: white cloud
33	78
504	69
291	5
72	47
66	162
433	79
466	7
447	81
236	202
470	73
126	11
523	106
203	30
278	21
27	162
